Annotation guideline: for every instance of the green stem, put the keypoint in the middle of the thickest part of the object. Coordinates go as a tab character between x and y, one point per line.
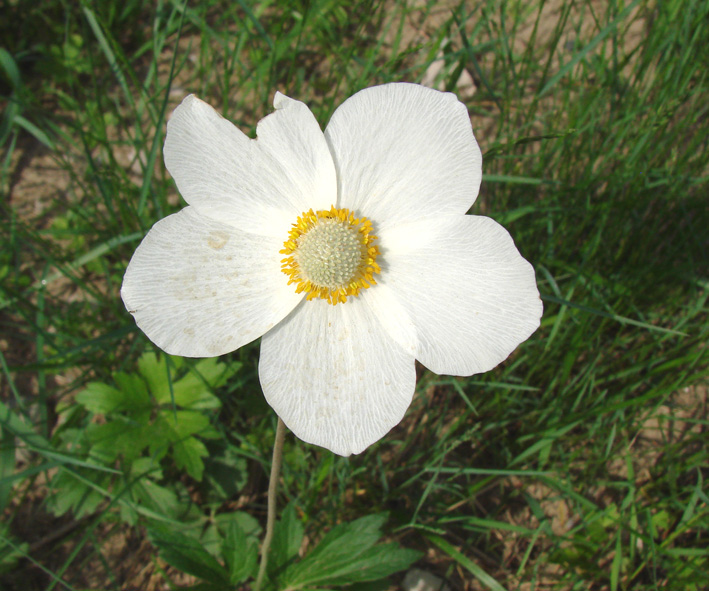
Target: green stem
272	485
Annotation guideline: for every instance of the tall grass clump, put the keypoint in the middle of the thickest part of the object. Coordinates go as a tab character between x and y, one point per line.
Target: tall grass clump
580	463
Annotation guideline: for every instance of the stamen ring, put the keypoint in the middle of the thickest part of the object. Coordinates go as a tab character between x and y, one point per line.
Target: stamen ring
331	255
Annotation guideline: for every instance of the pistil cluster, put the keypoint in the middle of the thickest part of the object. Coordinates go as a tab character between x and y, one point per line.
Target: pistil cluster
331	255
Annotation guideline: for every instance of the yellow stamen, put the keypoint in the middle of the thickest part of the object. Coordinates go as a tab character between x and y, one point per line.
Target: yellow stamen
331	255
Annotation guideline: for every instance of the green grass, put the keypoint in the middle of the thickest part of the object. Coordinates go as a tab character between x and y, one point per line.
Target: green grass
579	463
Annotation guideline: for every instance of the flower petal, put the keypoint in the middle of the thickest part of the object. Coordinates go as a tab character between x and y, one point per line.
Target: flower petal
470	294
404	143
392	315
260	185
335	377
199	288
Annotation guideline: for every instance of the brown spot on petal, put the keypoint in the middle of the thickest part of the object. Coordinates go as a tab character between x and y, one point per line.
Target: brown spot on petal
216	347
217	240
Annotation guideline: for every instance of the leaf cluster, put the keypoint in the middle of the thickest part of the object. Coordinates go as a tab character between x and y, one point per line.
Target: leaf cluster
579	463
348	554
137	426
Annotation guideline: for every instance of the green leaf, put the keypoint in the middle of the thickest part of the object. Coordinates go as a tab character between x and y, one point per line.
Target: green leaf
210	538
73	494
187	555
347	554
188	454
128	514
195	389
177	428
135	390
146	466
8	64
155	497
287	539
121	437
227	474
182	423
247	523
198	400
104	440
100	399
240	552
154	371
68	492
660	522
131	394
373	564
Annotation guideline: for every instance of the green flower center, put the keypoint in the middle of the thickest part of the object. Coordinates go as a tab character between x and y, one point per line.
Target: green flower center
330	255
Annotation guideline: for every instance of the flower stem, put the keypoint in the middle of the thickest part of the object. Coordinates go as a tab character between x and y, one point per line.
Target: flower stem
272	485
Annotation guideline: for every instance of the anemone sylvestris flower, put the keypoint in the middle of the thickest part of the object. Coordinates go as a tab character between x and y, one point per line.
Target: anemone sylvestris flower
349	252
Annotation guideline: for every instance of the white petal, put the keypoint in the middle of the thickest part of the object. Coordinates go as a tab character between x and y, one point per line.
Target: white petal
199	288
470	294
258	186
404	152
392	315
335	377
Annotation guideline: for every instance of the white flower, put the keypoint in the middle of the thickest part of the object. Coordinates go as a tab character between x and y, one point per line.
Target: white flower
369	216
